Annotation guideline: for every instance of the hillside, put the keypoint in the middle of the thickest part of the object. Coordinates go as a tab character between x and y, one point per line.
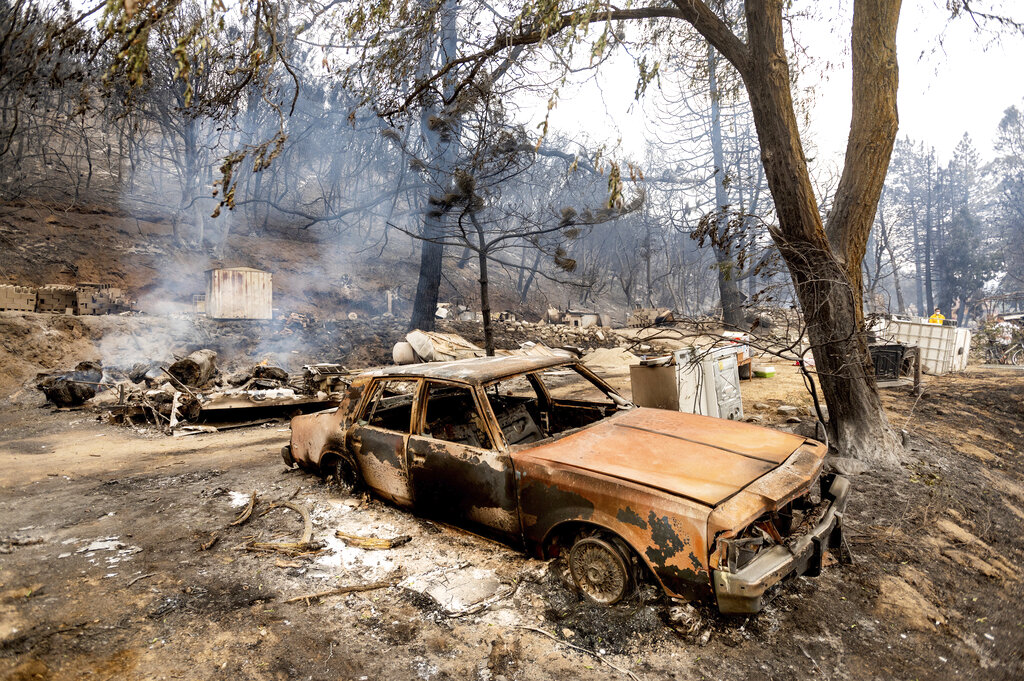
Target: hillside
314	272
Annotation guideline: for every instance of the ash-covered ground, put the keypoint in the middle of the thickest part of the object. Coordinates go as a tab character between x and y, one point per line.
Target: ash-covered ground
108	569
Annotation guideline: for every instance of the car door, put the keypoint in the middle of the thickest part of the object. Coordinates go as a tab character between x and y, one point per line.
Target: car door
459	472
380	435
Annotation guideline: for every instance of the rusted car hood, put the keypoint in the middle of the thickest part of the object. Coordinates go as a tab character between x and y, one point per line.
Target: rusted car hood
703	459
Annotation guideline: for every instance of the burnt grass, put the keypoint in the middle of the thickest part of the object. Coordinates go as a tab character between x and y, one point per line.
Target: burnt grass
220	613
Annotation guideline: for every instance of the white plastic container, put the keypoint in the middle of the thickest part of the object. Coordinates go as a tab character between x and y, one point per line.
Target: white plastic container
943	348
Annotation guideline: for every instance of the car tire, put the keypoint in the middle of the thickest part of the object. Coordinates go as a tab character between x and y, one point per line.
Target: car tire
602	569
346	474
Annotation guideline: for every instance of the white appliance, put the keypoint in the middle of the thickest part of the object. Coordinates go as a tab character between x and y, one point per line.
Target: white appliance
694	381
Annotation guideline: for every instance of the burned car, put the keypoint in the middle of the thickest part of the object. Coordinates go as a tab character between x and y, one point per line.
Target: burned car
708	508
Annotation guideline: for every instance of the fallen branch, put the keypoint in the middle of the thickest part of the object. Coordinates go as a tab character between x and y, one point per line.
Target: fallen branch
293	549
246	513
140	577
214	538
304	545
343	590
372	543
582	650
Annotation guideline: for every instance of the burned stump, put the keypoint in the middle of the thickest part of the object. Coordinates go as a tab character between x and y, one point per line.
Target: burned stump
196	369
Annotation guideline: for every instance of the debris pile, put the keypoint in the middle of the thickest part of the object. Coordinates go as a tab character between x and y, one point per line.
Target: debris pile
72	388
190	390
649	316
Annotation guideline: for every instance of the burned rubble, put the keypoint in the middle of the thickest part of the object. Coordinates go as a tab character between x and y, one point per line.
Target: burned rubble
192	389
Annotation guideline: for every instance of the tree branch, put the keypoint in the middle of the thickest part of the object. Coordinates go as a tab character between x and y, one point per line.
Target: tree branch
504	41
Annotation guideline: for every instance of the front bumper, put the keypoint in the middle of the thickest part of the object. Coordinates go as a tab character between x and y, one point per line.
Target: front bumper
742	591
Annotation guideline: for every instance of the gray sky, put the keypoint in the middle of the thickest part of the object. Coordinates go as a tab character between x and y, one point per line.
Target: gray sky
952	80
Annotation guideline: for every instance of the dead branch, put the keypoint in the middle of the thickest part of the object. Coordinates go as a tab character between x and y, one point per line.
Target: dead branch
343	590
246	513
372	543
582	650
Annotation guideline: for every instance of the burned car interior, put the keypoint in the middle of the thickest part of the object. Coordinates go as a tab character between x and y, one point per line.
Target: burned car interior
390	405
529	408
451	414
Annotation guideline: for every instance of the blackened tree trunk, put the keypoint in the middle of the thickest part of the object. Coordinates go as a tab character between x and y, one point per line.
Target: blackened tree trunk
485	295
440	135
424	305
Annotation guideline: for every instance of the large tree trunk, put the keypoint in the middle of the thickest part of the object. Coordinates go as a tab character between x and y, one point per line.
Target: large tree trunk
424	305
728	287
872	133
442	141
828	289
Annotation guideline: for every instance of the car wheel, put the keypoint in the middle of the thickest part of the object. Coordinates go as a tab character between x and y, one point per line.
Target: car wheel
601	570
346	474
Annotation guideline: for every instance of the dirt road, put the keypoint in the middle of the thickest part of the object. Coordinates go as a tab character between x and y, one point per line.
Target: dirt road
105	575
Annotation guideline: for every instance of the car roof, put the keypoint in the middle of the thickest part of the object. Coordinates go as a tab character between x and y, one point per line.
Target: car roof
478	370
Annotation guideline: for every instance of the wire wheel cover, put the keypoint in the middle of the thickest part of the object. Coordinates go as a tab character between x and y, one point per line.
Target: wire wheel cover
599	570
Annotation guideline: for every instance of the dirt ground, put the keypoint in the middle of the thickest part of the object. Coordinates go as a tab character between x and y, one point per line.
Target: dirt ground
103	572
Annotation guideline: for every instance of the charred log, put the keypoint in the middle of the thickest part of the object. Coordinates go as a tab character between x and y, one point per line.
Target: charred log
195	370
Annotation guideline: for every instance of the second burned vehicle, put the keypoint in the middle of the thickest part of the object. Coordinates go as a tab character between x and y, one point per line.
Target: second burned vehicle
708	508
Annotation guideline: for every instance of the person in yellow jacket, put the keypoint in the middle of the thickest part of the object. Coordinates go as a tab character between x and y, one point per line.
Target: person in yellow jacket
937	317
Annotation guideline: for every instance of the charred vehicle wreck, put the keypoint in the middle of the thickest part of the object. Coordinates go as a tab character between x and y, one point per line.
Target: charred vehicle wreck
709	508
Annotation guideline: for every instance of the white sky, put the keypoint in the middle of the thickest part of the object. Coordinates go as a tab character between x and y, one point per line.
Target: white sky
961	85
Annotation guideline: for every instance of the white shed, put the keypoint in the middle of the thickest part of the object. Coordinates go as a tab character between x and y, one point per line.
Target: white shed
239	293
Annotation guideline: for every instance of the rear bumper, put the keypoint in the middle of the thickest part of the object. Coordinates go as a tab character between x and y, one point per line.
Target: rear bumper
741	591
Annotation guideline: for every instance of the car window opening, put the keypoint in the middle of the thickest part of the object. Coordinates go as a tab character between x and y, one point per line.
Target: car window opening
452	416
536	406
390	406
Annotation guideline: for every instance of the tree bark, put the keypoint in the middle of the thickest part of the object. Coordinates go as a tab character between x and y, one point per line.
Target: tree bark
195	369
728	288
827	292
443	147
485	298
424	306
